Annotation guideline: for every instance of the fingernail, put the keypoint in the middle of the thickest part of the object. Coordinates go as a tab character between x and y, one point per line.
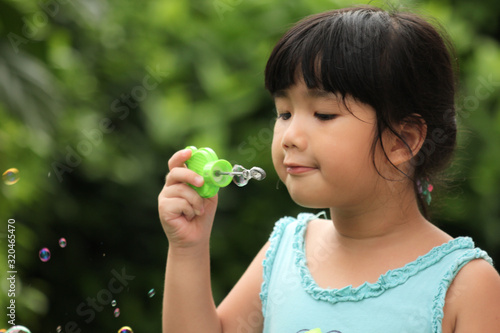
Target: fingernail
186	152
198	181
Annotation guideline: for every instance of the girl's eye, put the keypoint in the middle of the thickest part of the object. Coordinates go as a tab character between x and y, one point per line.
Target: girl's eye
325	116
284	115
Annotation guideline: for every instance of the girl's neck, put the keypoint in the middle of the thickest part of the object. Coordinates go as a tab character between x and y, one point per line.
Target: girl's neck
380	220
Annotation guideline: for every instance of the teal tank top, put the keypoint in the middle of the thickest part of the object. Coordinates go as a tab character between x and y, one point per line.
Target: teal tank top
404	300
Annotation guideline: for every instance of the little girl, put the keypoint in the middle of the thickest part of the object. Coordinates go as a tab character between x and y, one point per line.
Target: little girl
365	119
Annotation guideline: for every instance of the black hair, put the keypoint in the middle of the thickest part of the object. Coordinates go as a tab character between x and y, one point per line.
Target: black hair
396	62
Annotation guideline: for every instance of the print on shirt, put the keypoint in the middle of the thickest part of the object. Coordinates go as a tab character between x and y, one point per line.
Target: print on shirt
307	330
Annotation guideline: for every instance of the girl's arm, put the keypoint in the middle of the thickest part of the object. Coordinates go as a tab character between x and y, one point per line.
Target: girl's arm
241	310
188	305
473	300
187	219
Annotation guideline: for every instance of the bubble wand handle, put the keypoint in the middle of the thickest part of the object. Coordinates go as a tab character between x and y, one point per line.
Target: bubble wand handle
204	161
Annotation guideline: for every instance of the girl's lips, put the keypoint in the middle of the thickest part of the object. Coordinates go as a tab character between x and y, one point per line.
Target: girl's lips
298	169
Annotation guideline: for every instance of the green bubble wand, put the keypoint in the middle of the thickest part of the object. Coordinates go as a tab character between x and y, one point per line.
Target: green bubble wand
217	172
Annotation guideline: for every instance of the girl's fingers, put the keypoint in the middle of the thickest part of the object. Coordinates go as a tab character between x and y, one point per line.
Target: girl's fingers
178	171
187	194
178	159
178	207
183	175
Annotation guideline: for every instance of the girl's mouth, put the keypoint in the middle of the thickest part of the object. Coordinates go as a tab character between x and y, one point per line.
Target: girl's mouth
293	169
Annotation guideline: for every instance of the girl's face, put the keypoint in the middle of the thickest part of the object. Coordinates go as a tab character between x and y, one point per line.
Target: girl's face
321	151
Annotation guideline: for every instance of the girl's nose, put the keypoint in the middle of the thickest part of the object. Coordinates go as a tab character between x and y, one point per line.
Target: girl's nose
294	135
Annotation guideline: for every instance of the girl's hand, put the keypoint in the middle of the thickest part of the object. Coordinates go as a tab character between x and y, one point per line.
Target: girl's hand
186	217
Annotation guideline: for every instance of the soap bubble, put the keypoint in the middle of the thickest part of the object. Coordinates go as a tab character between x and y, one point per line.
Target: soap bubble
11	176
243	177
151	293
113	303
117	312
59	329
44	254
18	329
125	329
62	242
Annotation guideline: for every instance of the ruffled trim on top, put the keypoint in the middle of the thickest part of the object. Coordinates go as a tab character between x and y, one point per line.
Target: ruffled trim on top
275	239
386	281
268	261
437	309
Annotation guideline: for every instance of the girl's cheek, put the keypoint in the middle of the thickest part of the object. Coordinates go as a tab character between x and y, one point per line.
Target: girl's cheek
276	143
277	153
277	157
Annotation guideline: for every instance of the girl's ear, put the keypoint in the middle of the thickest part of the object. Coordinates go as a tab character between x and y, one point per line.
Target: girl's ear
412	133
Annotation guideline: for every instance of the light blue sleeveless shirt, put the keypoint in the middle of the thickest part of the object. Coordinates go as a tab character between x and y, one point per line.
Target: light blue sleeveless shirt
409	299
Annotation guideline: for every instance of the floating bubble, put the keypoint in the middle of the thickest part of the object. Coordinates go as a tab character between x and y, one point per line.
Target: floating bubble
44	254
125	329
113	303
151	293
117	312
62	242
11	176
59	329
18	329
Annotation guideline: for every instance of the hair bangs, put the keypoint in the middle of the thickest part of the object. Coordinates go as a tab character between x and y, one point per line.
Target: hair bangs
334	51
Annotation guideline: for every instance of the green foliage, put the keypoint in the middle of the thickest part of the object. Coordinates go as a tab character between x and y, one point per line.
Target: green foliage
96	96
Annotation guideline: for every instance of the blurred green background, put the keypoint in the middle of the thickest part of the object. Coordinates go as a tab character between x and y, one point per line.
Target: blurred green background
96	95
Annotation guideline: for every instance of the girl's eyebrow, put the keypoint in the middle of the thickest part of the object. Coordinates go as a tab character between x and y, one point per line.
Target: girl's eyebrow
315	93
282	93
320	93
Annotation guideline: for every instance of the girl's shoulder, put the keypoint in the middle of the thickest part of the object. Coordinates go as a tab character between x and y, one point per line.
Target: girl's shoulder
473	299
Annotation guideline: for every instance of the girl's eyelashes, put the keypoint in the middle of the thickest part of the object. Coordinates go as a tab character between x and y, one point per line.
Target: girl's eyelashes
284	115
317	115
325	116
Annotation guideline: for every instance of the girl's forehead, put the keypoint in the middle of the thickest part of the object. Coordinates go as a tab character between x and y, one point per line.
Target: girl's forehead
300	89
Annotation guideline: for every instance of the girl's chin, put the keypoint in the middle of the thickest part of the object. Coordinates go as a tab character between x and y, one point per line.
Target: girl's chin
308	201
